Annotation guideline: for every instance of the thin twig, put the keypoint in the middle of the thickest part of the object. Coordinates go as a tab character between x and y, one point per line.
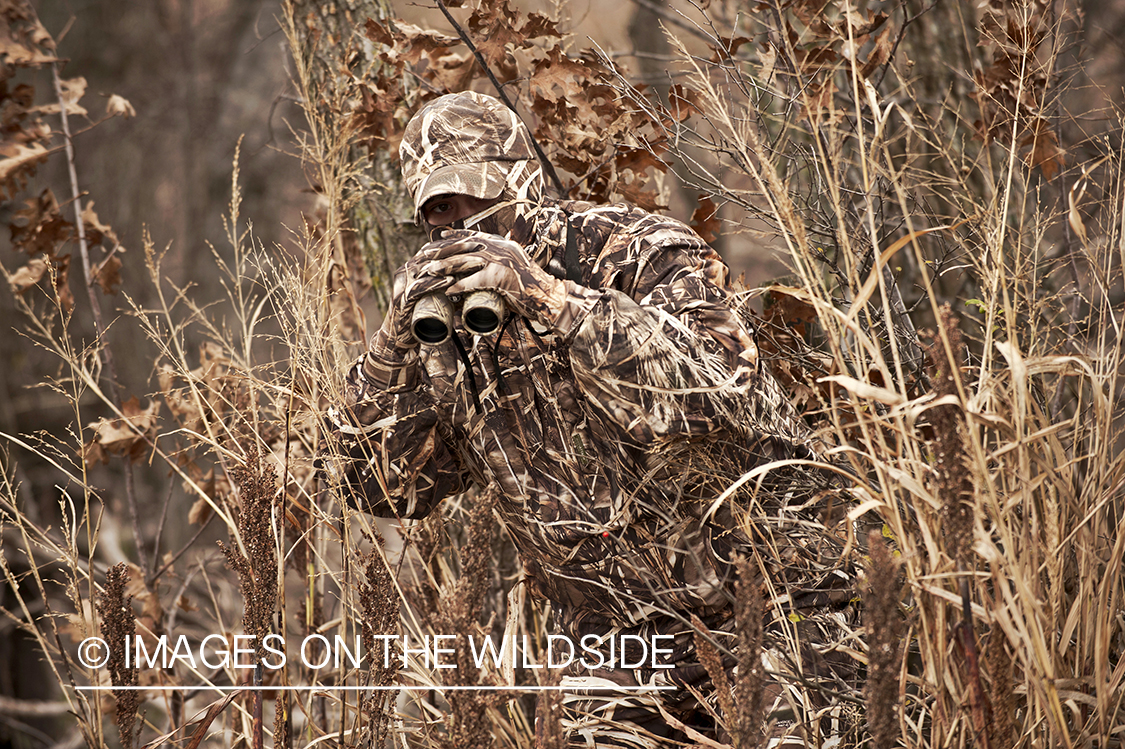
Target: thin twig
898	40
93	279
32	708
656	9
176	557
95	306
503	96
160	527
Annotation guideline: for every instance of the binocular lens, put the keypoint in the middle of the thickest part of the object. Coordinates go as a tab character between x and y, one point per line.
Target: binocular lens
483	312
482	320
432	319
430	330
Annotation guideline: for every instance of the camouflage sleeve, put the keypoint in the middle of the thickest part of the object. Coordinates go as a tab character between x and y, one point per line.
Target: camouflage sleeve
664	355
387	453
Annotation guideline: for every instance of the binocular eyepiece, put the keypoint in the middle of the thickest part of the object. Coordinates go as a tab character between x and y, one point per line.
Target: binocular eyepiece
482	312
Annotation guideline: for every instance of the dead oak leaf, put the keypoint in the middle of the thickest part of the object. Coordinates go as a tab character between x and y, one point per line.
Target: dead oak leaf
96	231
880	53
73	89
39	226
92	452
787	308
494	27
119	106
217	487
424	43
819	101
451	72
856	26
129	434
28	275
683	102
810	60
648	200
380	33
407	42
108	274
538	26
1045	152
727	47
637	160
376	115
705	219
62	282
181	402
24	42
18	162
557	77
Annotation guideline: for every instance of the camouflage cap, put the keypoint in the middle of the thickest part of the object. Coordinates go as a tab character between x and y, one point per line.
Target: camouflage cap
462	144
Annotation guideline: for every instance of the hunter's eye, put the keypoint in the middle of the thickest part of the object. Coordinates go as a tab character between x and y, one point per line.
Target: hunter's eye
440	210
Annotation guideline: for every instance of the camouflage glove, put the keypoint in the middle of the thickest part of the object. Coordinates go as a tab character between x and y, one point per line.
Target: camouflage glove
394	340
485	262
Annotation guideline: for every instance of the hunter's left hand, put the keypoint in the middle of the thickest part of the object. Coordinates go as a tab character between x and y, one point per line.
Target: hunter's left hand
485	262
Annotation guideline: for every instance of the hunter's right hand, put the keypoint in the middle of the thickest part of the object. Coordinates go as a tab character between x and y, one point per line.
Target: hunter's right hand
395	338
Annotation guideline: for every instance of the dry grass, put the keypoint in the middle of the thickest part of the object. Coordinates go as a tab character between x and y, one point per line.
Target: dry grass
999	476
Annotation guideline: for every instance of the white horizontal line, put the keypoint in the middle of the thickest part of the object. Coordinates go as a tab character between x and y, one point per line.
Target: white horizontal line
436	688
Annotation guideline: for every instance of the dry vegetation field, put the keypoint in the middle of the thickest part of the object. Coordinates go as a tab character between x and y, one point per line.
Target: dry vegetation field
944	183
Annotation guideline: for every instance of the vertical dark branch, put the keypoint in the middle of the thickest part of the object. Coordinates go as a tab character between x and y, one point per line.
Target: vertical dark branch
96	309
501	93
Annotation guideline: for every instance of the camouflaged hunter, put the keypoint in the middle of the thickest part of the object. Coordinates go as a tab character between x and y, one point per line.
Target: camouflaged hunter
615	410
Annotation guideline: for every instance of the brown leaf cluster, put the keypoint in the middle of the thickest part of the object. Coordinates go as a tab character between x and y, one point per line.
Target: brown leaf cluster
705	219
206	395
129	435
23	40
215	485
39	230
24	136
26	140
820	40
579	121
784	335
1012	91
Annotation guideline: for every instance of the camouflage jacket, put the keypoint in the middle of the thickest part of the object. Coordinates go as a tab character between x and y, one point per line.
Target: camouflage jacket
612	446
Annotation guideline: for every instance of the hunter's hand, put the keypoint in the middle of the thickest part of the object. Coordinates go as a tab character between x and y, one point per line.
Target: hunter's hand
481	262
411	284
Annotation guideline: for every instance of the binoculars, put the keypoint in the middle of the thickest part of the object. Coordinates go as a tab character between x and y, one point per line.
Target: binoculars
482	312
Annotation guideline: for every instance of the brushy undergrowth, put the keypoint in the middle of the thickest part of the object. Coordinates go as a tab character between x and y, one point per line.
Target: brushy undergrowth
945	182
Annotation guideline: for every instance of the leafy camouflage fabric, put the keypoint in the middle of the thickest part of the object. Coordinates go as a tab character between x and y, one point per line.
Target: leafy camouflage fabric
637	444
